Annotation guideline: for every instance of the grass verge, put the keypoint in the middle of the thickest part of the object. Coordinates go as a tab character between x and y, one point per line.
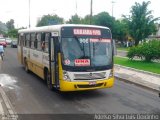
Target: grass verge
141	65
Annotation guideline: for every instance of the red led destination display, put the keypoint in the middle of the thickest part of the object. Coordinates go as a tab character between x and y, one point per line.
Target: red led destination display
95	32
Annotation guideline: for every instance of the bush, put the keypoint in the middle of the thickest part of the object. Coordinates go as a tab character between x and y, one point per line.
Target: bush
148	50
134	51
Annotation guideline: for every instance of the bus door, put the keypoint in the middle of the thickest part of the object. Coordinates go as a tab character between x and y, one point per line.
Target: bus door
54	59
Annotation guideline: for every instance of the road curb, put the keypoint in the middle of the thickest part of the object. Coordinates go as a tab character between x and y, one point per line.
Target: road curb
139	84
145	72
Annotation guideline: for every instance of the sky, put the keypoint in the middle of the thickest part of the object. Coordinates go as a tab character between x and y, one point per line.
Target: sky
19	9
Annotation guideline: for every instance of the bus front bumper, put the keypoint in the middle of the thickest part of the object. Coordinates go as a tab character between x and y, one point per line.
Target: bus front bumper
86	85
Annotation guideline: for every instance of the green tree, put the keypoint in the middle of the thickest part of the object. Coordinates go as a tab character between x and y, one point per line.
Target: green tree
104	19
86	20
3	28
120	30
13	33
10	24
141	22
75	19
49	20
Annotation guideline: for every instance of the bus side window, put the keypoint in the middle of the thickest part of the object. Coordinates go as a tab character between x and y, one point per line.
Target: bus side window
32	40
43	41
47	36
24	39
27	39
38	37
35	41
20	40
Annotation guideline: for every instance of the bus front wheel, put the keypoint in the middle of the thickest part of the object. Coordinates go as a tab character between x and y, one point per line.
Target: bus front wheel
48	80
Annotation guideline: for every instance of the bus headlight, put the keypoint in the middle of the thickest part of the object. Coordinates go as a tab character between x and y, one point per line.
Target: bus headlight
66	76
111	73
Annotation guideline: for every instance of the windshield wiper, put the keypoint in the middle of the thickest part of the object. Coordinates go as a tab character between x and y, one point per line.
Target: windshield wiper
79	44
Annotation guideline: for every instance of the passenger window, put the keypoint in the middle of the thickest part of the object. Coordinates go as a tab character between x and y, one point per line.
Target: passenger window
27	40
32	40
39	47
20	40
47	37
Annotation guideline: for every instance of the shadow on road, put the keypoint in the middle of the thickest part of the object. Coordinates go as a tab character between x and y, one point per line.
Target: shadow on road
81	95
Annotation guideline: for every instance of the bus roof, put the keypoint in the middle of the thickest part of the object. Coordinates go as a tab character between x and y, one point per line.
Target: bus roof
57	28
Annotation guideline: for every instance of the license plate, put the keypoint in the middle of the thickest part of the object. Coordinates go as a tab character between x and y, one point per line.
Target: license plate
92	83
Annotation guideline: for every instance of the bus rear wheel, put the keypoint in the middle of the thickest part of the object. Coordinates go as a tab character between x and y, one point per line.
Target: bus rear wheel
48	80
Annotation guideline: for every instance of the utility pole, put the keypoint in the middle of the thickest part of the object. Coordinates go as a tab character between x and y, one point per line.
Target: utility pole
29	14
91	13
112	7
76	7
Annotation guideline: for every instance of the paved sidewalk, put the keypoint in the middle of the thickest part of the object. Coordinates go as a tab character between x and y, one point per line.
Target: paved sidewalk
142	78
6	109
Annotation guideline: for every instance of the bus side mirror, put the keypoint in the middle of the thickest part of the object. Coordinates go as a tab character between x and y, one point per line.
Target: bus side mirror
114	48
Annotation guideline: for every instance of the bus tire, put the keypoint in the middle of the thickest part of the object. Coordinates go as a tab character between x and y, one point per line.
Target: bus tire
48	80
26	66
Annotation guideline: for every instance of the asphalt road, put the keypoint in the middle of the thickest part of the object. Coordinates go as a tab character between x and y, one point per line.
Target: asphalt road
30	95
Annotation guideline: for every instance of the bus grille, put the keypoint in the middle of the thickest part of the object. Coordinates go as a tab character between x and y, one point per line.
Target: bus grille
90	86
89	76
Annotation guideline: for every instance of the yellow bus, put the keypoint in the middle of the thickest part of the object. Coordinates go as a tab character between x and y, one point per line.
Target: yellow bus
69	57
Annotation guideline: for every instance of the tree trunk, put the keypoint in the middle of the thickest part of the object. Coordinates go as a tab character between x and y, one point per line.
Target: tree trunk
136	42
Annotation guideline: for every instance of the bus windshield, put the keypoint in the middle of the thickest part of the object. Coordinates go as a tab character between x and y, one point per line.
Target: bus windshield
86	51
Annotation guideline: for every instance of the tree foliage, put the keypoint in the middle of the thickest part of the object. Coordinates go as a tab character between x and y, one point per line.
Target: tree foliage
104	19
3	28
10	24
13	33
148	51
75	19
141	23
86	20
120	30
49	20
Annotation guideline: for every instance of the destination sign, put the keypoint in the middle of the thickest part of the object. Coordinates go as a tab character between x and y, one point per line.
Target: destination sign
87	32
